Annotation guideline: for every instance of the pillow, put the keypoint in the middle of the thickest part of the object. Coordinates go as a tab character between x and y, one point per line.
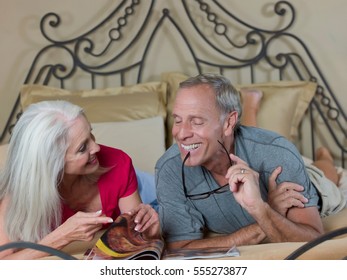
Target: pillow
127	103
281	110
3	154
283	105
143	140
172	79
146	184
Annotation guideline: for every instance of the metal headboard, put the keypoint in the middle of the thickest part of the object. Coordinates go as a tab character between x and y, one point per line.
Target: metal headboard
234	48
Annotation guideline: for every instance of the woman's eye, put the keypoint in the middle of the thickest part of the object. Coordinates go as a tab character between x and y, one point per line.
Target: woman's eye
83	148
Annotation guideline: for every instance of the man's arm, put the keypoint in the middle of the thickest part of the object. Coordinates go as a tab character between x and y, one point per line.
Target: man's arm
248	235
300	224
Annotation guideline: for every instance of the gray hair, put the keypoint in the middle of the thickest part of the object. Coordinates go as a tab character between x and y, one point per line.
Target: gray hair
227	96
34	169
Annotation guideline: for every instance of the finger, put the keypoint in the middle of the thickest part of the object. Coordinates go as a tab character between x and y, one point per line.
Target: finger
297	196
288	186
273	177
82	214
144	217
137	209
296	187
297	203
94	220
236	181
89	235
237	169
237	160
140	212
144	226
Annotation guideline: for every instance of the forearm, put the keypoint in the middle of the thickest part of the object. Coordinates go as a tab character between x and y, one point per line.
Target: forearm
52	240
278	228
249	235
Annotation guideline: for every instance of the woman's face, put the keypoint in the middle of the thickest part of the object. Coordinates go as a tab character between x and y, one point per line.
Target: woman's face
80	158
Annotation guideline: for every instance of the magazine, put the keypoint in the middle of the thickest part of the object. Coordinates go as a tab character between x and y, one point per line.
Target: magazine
121	241
206	253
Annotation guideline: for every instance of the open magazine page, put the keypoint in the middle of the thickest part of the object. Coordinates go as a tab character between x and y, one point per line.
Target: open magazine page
121	241
203	253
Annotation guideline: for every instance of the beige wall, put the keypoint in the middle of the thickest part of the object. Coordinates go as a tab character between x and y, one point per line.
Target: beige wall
320	23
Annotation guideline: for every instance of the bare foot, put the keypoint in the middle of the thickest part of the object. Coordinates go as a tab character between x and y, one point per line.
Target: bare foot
325	162
251	98
323	153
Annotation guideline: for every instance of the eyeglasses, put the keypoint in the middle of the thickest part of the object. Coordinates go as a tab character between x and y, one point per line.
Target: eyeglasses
204	195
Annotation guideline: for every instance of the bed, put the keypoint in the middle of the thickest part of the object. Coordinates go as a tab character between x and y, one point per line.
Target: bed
119	72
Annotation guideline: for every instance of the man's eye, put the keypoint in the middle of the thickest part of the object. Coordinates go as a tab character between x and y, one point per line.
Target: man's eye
198	122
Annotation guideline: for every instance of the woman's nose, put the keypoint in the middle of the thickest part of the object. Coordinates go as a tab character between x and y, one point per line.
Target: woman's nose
95	147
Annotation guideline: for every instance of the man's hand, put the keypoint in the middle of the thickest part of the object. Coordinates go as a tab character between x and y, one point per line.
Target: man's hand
284	196
244	184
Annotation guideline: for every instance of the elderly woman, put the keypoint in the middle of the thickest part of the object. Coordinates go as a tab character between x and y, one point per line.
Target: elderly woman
58	185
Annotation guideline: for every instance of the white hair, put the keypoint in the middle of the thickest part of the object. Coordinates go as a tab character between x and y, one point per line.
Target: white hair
34	169
227	96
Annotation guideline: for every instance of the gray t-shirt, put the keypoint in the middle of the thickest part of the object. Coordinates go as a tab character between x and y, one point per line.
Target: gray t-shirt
185	219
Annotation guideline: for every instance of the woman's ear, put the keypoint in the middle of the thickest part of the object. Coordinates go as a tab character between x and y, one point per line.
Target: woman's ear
230	123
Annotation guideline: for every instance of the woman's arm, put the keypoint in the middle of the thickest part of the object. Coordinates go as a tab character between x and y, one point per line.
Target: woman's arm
80	227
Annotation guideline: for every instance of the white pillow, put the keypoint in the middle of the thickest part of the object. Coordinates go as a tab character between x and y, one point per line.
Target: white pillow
143	140
3	154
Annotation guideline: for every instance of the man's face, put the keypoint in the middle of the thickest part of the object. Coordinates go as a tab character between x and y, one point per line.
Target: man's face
197	125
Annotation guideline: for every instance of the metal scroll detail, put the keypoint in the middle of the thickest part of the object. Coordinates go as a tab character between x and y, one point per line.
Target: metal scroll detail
216	40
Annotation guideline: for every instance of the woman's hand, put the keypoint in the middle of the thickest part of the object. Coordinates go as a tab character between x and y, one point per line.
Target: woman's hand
146	220
284	196
82	226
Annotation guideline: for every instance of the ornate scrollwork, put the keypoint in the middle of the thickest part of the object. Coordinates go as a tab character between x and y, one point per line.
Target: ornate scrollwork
220	40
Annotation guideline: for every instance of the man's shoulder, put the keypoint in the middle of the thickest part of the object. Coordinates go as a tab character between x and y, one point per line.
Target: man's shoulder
260	136
250	132
172	155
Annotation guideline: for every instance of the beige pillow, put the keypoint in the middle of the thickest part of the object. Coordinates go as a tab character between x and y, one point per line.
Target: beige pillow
283	105
143	140
172	79
135	102
281	110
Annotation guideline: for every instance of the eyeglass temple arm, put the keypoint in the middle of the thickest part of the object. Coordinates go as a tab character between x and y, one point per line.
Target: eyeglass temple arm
226	151
183	177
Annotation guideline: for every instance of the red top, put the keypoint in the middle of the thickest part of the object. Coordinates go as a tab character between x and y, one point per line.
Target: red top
120	181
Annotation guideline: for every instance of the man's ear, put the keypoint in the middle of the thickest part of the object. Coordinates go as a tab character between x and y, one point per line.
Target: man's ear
230	123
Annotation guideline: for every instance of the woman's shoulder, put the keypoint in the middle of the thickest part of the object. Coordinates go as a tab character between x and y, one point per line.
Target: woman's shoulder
110	155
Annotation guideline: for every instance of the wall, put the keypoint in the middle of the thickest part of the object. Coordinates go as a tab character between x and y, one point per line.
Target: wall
318	23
